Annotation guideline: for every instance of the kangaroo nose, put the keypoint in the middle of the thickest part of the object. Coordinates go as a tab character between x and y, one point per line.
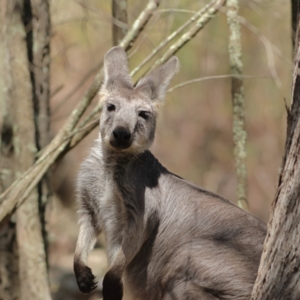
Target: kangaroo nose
122	134
120	138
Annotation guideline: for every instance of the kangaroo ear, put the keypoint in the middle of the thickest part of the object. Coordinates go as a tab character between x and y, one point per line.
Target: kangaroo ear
155	84
116	71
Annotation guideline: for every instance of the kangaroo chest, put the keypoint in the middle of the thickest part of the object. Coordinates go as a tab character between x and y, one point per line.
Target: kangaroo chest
113	216
122	205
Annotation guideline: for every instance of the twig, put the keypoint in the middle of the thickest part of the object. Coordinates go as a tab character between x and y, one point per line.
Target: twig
186	37
210	78
56	90
143	40
172	36
177	10
77	87
237	90
268	46
139	24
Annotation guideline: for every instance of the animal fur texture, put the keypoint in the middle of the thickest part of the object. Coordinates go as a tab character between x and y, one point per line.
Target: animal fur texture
166	238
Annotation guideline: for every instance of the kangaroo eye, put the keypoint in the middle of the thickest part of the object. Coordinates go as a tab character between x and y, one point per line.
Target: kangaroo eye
144	114
111	107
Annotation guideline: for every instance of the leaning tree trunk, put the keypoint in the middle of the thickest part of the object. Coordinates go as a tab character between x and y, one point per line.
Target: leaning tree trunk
279	271
23	272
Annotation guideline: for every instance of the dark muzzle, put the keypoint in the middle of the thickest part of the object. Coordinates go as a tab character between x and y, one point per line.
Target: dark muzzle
120	138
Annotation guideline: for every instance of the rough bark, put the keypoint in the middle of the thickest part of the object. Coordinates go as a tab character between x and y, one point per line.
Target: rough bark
9	20
40	78
34	121
238	102
279	271
120	27
25	276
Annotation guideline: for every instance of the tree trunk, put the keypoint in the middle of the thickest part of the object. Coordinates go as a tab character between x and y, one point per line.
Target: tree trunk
13	39
23	272
40	75
279	271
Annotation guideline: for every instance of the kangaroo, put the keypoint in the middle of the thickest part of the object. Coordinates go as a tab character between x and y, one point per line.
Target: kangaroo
167	239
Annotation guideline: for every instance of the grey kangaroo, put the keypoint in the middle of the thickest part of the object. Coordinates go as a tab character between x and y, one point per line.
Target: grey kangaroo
166	238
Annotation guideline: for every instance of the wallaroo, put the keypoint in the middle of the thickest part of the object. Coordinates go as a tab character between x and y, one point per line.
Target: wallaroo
166	238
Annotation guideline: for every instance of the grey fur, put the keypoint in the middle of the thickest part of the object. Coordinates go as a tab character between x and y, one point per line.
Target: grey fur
166	238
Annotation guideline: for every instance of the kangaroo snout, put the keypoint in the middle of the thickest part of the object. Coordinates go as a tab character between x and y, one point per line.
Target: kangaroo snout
120	138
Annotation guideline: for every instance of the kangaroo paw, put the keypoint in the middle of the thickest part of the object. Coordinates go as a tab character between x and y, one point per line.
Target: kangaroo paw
112	287
85	278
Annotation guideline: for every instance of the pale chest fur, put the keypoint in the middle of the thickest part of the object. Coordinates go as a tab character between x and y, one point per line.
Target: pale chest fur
113	216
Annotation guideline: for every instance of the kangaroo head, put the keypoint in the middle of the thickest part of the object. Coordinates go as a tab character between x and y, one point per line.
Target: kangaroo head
128	117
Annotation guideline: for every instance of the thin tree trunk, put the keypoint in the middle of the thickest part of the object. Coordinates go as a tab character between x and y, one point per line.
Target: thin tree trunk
238	102
120	27
279	271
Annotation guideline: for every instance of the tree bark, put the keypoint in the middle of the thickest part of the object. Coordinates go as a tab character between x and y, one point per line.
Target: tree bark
40	77
11	24
23	276
279	271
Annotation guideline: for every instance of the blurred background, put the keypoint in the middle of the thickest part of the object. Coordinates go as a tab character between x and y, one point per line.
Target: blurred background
194	132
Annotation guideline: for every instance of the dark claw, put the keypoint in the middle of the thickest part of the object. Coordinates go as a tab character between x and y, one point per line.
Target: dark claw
85	278
112	287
